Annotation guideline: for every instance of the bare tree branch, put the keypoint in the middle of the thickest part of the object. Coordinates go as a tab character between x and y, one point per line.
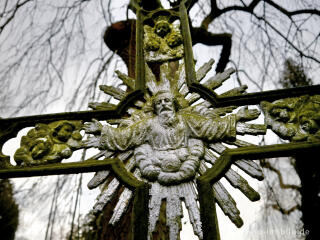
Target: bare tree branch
11	13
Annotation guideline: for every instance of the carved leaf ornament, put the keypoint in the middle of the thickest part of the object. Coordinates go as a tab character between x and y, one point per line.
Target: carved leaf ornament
170	140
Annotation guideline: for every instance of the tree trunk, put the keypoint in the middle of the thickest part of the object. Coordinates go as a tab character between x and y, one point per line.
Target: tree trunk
308	168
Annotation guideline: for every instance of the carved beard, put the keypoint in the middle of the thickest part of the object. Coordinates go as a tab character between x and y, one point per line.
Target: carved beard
167	118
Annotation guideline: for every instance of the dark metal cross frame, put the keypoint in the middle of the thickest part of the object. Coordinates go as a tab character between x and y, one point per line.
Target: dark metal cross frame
9	128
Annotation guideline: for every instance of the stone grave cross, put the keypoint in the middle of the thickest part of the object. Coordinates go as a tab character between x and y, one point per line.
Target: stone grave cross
172	138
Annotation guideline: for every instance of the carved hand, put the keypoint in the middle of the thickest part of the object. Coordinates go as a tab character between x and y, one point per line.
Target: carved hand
92	142
174	178
151	172
93	127
169	178
245	114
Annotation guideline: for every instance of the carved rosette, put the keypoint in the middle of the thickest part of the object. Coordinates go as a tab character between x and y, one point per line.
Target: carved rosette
49	143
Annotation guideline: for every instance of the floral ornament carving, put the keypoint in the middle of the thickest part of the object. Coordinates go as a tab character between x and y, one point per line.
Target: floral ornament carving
168	140
49	143
294	119
163	41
